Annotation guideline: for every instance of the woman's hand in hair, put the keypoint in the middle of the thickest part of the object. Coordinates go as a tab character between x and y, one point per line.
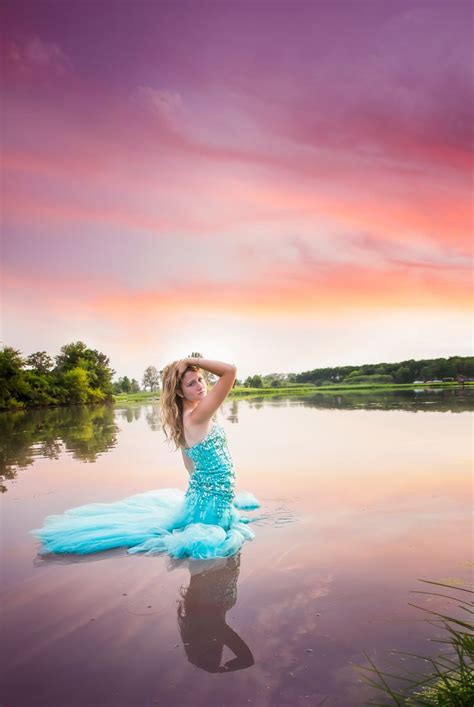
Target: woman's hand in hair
181	366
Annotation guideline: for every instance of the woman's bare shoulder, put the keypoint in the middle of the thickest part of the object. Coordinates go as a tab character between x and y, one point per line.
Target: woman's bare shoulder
195	431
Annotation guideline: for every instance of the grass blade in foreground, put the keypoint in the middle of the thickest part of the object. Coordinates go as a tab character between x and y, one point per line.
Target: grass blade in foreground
450	680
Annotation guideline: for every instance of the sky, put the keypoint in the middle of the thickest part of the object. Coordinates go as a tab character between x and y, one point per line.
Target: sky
280	185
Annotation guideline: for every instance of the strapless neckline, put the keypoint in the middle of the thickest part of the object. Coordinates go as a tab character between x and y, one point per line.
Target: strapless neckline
215	425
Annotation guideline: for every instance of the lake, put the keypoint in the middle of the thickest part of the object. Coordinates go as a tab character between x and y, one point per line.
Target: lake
362	496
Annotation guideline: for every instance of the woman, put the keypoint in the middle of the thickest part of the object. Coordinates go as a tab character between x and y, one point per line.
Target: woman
201	523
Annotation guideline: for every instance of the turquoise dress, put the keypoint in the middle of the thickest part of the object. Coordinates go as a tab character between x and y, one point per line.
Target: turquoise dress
202	523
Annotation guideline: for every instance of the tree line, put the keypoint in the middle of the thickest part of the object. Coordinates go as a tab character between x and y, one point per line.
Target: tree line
80	375
77	375
455	368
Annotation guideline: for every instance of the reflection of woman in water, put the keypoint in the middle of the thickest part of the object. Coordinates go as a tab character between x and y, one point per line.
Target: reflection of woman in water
201	523
202	623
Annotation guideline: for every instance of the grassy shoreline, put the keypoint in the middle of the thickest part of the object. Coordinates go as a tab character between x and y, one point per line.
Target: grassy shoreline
298	389
295	389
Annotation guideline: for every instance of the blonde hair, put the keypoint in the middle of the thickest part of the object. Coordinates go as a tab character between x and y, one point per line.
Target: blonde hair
171	404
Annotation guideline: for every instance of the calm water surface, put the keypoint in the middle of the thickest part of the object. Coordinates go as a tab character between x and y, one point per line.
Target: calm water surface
362	496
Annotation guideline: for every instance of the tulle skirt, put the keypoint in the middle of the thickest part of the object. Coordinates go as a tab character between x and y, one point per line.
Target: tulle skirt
163	520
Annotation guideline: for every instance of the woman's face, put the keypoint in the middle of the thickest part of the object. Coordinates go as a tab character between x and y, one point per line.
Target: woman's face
193	385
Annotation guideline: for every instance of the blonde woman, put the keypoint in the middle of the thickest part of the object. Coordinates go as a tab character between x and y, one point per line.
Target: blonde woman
202	523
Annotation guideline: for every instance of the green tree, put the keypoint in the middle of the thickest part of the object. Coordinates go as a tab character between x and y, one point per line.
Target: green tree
356	372
403	375
96	364
40	362
151	378
41	390
76	384
254	382
275	383
126	385
11	363
14	390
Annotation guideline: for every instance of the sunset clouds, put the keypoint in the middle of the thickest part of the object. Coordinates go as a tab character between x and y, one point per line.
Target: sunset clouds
237	161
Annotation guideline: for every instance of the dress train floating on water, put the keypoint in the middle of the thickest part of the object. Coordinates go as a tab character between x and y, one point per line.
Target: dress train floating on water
202	523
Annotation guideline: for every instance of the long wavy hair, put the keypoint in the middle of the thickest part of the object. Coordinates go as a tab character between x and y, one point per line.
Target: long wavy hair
171	404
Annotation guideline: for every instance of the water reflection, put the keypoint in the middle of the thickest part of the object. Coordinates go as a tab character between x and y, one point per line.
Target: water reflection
153	418
233	411
202	607
202	619
459	399
130	413
84	432
355	506
65	558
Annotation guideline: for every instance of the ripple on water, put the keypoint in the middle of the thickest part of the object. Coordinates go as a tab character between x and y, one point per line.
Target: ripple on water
274	514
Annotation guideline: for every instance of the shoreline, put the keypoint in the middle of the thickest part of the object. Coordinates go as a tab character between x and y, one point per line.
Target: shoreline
240	392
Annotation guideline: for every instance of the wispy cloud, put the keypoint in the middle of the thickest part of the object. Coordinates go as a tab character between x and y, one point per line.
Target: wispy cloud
269	163
35	54
168	105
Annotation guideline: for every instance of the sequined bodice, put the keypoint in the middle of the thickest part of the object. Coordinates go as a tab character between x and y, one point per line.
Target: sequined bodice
213	473
211	453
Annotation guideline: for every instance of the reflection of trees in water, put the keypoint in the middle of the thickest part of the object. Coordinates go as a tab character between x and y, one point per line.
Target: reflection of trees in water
201	619
83	431
131	413
153	418
420	399
233	411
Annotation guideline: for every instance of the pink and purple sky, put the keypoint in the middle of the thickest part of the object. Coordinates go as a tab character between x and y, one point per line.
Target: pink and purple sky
283	185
